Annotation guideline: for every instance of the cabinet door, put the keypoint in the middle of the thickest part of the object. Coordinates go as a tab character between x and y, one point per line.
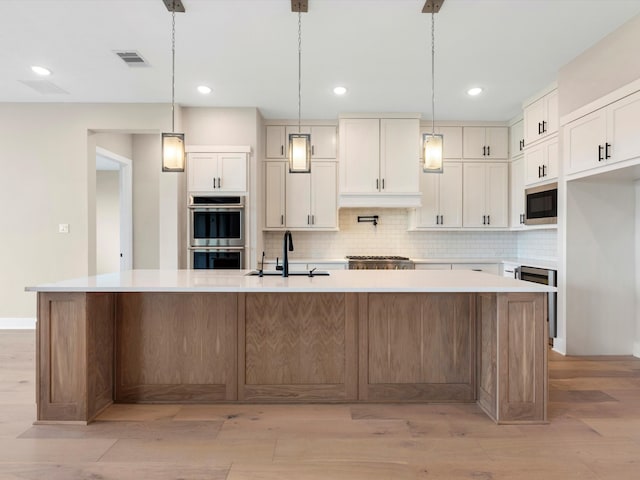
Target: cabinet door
516	136
517	192
584	139
551	113
275	138
297	200
623	120
232	172
551	165
497	194
203	172
533	115
451	195
324	208
451	142
534	158
275	173
474	214
497	141
359	155
323	141
473	142
399	155
427	214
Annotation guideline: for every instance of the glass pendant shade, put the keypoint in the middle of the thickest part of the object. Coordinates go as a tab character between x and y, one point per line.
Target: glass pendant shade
432	144
299	153
173	152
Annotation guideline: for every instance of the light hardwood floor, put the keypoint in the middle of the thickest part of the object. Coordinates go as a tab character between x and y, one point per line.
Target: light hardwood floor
594	433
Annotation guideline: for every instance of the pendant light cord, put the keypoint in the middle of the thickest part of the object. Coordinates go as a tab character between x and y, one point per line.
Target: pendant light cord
173	66
299	66
433	75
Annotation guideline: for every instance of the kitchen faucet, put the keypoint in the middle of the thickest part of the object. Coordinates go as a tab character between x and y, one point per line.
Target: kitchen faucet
287	246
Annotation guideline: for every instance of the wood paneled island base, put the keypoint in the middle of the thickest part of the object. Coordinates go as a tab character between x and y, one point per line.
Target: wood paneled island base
96	348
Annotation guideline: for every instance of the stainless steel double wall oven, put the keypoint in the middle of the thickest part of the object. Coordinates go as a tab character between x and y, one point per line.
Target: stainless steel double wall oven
216	232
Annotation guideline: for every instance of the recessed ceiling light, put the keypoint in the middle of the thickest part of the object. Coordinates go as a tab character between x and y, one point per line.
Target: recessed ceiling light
340	90
41	70
203	89
474	91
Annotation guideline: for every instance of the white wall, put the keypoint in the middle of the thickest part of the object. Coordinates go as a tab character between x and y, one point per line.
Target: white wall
608	65
107	221
636	345
600	275
48	177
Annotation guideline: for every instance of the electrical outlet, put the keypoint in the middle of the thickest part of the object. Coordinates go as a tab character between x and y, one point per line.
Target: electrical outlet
63	228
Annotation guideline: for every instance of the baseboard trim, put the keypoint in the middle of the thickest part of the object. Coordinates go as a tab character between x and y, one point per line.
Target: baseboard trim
560	346
636	349
17	323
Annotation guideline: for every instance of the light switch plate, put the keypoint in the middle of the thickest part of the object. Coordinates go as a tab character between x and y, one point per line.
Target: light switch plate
63	228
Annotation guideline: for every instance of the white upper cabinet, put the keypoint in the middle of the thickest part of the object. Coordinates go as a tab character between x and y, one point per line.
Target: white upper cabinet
451	143
323	140
517	193
217	172
311	198
541	162
275	174
379	162
485	142
541	118
441	198
516	136
486	195
605	136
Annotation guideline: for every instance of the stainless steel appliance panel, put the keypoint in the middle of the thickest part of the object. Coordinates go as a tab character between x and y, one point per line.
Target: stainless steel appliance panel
541	205
217	258
545	277
216	221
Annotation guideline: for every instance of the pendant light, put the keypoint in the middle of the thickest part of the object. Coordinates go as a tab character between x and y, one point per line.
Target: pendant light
299	143
173	157
432	143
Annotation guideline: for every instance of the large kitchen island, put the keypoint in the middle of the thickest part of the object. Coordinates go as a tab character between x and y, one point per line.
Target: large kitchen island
194	336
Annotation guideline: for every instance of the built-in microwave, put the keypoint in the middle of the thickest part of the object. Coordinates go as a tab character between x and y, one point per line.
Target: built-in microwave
541	204
216	221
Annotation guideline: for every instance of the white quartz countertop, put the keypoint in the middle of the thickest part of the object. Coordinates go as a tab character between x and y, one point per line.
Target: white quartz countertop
337	281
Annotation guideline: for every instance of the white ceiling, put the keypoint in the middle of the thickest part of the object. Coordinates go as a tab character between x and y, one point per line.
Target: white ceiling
246	50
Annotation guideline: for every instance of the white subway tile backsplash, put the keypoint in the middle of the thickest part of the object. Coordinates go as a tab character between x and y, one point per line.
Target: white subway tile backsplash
540	244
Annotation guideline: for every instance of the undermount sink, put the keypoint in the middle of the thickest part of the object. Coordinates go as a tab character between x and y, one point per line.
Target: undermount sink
297	273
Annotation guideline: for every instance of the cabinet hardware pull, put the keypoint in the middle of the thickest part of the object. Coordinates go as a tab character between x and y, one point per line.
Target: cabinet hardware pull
539	171
437	219
377	184
522	218
218	182
544	126
484	151
308	219
489	151
607	146
281	219
539	128
281	149
214	182
313	219
313	149
441	219
488	219
544	170
383	183
484	219
600	153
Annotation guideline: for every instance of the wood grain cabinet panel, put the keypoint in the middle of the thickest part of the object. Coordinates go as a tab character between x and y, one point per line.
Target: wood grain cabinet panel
176	347
298	347
75	355
418	347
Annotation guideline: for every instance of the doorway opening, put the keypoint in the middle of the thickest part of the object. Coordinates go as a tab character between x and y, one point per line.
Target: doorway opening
114	212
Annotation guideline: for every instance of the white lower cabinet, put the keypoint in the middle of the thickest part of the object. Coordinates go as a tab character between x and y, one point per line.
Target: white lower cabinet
433	266
441	198
311	198
493	268
486	195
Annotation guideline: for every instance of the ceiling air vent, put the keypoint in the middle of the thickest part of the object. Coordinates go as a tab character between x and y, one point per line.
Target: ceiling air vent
132	58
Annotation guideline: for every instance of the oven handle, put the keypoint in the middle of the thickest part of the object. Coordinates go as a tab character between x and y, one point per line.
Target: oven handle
217	249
